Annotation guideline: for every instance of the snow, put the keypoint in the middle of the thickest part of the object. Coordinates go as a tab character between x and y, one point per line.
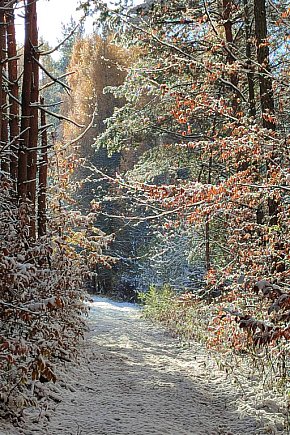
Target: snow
133	378
111	307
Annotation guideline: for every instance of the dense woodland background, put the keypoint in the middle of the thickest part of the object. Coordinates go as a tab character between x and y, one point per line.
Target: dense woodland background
153	154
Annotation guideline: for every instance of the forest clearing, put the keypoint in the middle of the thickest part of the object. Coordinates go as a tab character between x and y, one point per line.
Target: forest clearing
144	157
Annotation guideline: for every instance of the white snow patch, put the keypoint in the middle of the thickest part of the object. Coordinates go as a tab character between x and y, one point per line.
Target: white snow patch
108	305
132	378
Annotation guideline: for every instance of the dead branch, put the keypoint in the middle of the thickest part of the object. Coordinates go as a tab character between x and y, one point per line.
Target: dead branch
62	117
55	79
47	85
46	53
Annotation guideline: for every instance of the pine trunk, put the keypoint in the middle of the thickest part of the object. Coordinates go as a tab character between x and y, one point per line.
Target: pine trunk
26	109
14	94
33	131
43	166
5	161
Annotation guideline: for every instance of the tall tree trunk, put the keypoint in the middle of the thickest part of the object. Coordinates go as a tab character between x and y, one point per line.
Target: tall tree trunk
250	70
207	222
228	27
5	158
33	131
268	112
14	94
2	28
265	79
266	86
43	165
29	114
26	109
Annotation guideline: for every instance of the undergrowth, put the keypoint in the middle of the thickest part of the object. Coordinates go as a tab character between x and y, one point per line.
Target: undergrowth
220	326
41	303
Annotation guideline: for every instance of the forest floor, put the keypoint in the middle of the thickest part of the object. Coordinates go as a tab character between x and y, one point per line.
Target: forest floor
133	378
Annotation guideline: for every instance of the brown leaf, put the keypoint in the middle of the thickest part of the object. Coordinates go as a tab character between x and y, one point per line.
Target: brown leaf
283	302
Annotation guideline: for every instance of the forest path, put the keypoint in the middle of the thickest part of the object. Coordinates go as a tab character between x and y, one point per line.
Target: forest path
134	379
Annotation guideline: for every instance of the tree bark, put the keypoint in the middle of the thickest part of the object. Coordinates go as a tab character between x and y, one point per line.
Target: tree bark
207	223
228	26
268	112
1	69
265	79
266	86
14	95
29	115
250	71
5	152
26	109
33	131
43	166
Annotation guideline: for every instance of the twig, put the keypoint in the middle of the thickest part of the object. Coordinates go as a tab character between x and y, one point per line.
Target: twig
47	85
45	53
14	307
55	79
62	118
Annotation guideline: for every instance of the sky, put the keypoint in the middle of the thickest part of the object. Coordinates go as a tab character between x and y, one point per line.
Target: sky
51	15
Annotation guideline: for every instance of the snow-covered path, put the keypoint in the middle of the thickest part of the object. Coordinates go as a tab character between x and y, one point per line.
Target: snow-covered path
134	379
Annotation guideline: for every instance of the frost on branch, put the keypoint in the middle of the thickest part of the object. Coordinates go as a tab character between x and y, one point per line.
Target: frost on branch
41	307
